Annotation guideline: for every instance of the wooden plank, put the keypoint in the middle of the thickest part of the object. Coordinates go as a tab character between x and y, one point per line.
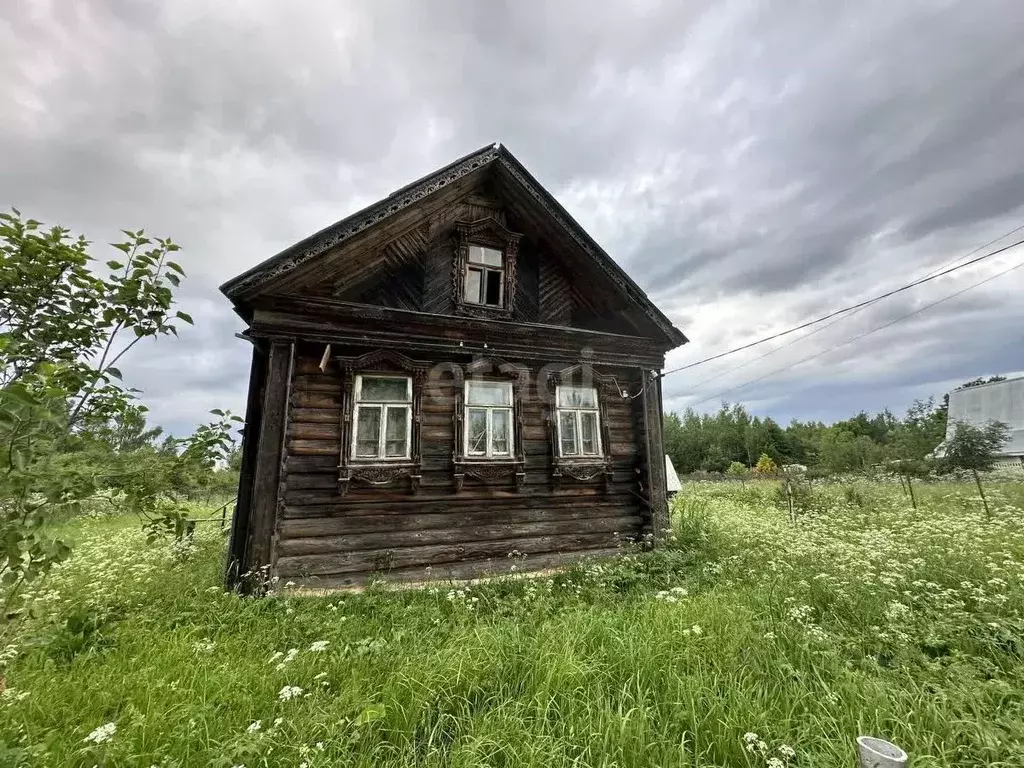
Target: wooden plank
314	463
337	322
314	447
305	430
478	494
447	573
407	504
316	400
322	382
316	415
385	559
327	480
395	539
263	516
396	518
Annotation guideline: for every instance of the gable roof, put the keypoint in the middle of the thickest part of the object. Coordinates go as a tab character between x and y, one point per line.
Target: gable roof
252	282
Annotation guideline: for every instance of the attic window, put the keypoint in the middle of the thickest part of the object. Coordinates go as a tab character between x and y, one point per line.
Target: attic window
484	269
485	276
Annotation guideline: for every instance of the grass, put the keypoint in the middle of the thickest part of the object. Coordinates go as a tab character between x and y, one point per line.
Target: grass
862	616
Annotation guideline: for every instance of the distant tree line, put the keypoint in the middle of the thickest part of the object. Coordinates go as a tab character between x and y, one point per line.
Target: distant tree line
712	442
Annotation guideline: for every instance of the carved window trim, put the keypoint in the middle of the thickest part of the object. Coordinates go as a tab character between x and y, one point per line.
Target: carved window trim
511	428
578	413
379	471
384	407
496	470
581	469
487	233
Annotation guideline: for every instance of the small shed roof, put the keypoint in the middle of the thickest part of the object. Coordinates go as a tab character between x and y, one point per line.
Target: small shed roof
671	478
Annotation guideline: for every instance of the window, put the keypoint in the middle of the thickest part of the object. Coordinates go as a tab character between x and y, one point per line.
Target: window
488	419
485	277
578	422
383	417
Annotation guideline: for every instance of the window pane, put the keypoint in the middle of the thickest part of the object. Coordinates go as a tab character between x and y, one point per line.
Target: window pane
378	389
500	420
489	393
577	397
492	288
367	432
567	431
489	256
588	433
474	278
476	428
395	432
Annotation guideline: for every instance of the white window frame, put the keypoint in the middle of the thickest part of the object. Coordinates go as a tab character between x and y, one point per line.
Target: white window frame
489	453
483	269
596	410
384	407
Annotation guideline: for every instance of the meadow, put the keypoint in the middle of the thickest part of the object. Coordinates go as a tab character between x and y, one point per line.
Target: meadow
753	639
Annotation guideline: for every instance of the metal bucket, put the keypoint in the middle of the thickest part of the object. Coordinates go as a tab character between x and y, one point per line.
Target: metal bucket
878	753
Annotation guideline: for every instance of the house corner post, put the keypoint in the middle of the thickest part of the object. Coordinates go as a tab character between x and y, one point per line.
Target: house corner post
657	497
269	459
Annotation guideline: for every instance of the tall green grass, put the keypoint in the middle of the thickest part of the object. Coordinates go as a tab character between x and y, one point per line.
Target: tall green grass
862	617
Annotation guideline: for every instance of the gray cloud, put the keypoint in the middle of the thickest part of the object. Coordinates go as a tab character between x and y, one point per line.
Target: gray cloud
751	165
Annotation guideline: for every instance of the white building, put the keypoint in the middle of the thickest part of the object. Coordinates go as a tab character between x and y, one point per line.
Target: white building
672	484
1000	401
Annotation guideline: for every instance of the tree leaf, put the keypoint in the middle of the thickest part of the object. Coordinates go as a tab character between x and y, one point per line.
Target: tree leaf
185	317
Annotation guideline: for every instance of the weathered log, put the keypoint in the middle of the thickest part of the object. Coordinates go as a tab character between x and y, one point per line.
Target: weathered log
402	557
450	518
395	539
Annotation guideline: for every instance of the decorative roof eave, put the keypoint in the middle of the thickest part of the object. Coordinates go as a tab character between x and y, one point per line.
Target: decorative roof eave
250	282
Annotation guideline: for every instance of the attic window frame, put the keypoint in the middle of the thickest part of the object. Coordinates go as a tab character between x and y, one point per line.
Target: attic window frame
491	234
485	270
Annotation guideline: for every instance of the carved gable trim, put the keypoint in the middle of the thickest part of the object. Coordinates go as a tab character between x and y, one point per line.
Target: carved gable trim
294	257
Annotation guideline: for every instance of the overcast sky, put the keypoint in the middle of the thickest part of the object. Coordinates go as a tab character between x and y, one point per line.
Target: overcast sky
751	164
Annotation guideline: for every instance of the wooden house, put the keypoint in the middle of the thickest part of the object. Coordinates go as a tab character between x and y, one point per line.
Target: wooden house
454	381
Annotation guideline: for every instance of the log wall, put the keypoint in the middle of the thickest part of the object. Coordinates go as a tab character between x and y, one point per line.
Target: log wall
324	538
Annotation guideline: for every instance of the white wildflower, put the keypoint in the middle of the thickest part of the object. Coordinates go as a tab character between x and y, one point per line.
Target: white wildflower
319	645
254	726
787	751
103	733
289	692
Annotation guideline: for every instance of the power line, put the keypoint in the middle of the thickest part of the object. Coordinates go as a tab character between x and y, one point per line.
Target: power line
851	314
861	336
861	304
981	247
